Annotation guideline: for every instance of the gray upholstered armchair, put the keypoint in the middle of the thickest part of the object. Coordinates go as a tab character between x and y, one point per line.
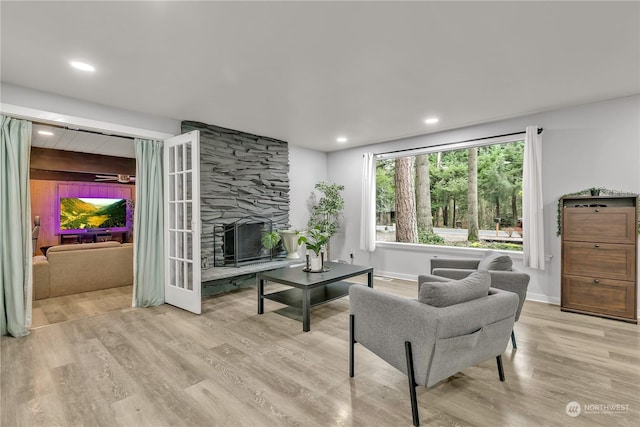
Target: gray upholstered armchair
430	343
503	275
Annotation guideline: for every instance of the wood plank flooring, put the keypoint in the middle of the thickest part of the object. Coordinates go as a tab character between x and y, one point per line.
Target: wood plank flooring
79	306
232	367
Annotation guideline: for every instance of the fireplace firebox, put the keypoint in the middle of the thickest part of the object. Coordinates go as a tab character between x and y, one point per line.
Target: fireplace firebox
242	243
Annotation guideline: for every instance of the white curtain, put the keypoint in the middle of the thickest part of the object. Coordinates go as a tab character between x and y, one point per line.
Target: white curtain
532	204
15	227
368	206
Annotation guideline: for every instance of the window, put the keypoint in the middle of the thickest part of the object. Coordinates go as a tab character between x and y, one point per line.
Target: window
470	196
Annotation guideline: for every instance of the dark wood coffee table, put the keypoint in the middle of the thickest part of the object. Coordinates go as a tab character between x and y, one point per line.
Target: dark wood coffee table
310	289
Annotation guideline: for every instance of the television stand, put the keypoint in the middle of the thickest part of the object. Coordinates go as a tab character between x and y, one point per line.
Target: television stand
94	237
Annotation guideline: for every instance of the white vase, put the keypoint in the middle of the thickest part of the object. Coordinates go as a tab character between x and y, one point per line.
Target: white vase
290	242
315	262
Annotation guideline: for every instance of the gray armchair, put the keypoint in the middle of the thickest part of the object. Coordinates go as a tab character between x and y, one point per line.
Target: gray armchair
512	280
429	343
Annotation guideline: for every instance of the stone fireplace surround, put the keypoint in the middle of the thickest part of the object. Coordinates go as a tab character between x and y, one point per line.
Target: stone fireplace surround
242	177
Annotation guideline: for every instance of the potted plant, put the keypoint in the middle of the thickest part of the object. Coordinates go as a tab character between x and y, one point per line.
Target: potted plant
314	239
327	213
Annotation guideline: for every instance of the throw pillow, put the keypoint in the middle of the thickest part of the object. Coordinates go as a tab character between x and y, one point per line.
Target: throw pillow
443	294
493	260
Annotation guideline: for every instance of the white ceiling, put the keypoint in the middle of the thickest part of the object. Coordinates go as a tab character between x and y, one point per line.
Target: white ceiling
308	72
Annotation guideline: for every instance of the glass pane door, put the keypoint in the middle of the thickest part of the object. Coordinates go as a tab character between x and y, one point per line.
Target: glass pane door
182	221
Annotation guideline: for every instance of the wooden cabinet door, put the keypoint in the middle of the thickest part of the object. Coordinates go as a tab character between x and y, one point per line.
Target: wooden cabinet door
600	224
599	260
599	296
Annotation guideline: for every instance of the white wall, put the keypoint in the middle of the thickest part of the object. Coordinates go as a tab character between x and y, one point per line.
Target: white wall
592	145
306	168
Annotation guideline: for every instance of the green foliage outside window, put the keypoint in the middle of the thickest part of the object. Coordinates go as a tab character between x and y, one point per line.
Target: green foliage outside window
499	189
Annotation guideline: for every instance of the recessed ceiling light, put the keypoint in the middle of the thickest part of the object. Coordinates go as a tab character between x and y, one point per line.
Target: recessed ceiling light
432	120
45	132
82	66
342	139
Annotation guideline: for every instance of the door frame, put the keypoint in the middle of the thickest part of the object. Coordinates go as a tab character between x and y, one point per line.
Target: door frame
63	119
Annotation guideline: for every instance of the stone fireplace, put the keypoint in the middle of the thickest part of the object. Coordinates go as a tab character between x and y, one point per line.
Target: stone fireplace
244	179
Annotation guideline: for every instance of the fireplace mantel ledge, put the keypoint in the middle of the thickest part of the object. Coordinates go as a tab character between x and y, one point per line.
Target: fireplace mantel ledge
217	273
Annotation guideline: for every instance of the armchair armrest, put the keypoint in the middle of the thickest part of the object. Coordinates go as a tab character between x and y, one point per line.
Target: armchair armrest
468	264
513	281
383	322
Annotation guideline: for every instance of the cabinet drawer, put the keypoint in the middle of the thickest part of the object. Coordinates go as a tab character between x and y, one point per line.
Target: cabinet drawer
599	260
600	224
607	297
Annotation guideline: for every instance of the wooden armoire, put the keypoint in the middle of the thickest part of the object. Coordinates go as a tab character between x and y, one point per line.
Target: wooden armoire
600	256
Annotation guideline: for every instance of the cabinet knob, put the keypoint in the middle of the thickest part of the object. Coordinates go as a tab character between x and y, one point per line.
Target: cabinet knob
596	245
597	210
596	280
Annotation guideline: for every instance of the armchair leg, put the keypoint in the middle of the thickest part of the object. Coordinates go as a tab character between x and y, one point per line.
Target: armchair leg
412	384
500	368
513	339
352	342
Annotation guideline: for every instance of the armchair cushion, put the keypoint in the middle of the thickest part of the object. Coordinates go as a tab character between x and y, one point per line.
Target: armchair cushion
444	294
493	260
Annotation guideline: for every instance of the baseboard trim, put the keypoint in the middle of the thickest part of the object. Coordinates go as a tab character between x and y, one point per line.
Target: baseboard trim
543	298
393	275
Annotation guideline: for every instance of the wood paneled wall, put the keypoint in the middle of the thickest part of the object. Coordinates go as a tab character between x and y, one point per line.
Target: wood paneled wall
44	202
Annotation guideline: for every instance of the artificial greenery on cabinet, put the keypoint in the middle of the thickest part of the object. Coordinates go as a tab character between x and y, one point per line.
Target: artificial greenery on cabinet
595	191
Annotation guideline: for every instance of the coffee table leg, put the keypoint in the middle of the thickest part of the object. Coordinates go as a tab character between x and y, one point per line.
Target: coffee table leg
260	296
370	279
306	305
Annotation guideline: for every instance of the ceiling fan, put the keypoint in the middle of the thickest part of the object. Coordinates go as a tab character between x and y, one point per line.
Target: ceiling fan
123	179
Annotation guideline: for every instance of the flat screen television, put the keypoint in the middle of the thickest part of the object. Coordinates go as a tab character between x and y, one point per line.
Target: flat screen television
83	214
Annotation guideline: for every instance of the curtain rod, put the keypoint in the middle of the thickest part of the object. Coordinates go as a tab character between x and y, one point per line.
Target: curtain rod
82	130
457	142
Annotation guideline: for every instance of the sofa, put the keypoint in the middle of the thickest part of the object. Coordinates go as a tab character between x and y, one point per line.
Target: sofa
72	269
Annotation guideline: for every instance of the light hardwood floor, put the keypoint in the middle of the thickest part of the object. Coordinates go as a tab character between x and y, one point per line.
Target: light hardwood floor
79	306
232	367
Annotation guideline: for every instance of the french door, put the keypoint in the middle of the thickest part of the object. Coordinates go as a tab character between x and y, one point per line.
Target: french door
182	286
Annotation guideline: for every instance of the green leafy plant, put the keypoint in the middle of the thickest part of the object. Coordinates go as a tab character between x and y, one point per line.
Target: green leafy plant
314	239
428	238
270	239
327	213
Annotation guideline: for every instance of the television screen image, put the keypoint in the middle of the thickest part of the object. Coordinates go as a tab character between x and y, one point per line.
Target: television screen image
86	213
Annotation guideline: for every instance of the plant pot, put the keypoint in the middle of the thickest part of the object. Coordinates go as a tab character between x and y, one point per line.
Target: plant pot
290	242
315	262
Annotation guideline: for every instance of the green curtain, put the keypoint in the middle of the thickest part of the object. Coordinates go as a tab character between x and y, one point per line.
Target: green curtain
15	227
148	260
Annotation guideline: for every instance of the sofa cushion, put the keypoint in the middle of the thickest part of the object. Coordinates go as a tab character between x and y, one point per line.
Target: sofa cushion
493	260
444	294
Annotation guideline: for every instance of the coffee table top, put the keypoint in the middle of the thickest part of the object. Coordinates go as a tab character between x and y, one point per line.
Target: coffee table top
300	279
